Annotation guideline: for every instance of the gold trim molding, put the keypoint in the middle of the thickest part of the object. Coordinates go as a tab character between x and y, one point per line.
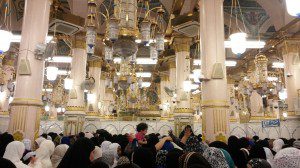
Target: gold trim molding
26	102
75	108
184	110
182	44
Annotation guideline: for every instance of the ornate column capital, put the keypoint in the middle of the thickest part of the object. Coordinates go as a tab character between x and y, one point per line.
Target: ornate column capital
79	41
95	63
182	44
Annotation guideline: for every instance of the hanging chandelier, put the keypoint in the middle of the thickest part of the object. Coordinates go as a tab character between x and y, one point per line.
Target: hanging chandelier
293	7
51	73
123	34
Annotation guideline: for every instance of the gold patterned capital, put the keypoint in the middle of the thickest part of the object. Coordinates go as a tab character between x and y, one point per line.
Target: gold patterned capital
96	63
182	44
18	136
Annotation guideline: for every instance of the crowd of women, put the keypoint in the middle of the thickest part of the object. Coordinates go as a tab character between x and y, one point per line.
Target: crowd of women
142	150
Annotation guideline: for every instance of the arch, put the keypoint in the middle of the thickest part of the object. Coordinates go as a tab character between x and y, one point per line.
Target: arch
153	129
233	24
163	131
233	132
90	130
273	136
296	134
111	130
265	26
54	125
128	125
285	134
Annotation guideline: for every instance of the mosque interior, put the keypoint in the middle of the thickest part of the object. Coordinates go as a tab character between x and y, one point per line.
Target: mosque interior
226	67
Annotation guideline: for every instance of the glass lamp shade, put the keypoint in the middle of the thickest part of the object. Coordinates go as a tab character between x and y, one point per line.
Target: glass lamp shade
59	109
91	98
47	108
238	41
90	40
293	7
145	31
5	40
52	73
68	84
160	43
108	53
123	84
153	52
187	85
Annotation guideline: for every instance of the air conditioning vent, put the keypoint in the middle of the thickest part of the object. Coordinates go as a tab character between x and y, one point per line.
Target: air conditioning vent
190	28
64	27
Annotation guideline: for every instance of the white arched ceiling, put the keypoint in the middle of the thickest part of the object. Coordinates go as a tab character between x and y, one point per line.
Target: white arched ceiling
267	24
277	12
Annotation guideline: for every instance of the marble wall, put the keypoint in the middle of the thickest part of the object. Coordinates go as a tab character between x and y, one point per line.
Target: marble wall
288	129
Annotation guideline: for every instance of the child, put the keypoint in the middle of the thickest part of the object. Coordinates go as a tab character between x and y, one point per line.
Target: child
142	131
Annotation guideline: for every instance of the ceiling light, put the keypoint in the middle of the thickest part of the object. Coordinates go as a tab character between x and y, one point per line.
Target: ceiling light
293	7
48	90
117	60
138	41
5	40
146	84
143	74
272	78
230	63
63	72
197	62
247	44
146	61
277	65
17	38
47	108
238	41
187	85
91	98
51	73
60	59
68	84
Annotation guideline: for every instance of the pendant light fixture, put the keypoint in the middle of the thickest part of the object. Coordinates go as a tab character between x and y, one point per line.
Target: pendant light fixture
293	7
68	83
5	40
238	38
51	72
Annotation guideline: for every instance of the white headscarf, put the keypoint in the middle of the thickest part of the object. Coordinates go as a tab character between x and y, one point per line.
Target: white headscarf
269	156
58	154
287	158
43	154
39	140
97	152
277	145
14	152
114	148
27	143
88	135
105	146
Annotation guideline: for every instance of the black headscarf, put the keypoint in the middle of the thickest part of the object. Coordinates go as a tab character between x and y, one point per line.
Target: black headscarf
143	157
238	156
98	164
259	163
193	159
257	151
5	139
6	163
172	158
78	155
219	144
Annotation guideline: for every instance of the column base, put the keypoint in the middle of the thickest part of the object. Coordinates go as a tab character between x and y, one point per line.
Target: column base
74	120
182	118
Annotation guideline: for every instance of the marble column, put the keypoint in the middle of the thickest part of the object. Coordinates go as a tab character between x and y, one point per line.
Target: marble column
165	99
183	114
172	85
75	111
27	103
291	58
102	95
215	118
95	72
